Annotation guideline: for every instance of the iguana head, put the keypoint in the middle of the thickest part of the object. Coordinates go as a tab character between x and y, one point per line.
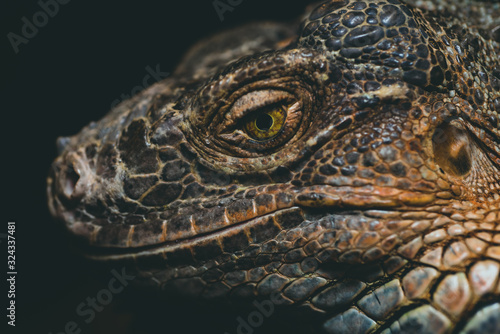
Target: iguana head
370	132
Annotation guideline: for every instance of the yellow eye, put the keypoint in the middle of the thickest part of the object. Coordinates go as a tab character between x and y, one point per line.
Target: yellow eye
266	124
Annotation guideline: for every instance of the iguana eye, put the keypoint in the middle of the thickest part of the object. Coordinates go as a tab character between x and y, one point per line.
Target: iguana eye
261	121
452	149
266	123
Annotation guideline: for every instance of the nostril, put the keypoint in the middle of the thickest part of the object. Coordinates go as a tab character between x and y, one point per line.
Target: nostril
75	178
71	178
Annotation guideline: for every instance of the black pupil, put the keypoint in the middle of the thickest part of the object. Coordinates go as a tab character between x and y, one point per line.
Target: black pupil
264	122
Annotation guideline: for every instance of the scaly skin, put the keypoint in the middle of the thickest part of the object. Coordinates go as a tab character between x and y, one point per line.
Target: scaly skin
367	193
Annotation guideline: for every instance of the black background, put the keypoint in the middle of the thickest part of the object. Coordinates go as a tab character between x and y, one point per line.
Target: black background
83	59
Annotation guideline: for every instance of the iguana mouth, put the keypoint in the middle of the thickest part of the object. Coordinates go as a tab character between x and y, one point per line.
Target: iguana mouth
227	216
191	243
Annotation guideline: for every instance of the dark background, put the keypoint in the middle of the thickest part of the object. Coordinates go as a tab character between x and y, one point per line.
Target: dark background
83	59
